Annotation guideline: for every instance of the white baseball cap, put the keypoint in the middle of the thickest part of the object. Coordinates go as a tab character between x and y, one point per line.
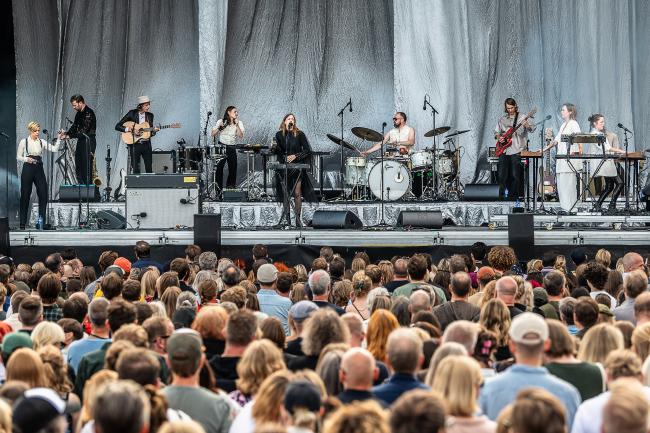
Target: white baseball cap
529	329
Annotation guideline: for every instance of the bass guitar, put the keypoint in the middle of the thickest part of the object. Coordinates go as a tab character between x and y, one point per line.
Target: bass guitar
505	141
547	186
142	131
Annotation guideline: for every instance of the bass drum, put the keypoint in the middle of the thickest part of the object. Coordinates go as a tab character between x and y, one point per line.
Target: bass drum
397	180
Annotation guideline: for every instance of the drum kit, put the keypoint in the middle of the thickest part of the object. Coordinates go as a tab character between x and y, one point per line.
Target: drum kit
426	174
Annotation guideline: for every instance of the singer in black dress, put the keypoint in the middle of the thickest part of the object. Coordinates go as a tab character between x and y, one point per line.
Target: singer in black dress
292	147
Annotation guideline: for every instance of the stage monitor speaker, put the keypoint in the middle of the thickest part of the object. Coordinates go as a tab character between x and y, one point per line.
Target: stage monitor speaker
521	235
163	161
234	195
481	192
336	219
420	219
72	193
161	208
5	246
207	232
110	220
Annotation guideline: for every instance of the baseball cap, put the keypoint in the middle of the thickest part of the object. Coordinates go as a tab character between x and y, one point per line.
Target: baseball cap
38	407
302	309
123	263
15	340
540	296
604	309
528	328
267	273
302	394
185	344
114	269
485	273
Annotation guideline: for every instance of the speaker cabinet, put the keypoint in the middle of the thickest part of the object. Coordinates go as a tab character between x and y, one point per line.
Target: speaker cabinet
162	208
163	161
481	192
5	247
110	220
420	219
207	232
73	193
336	219
521	234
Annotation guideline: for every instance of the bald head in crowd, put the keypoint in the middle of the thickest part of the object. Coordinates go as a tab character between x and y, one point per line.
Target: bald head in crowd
506	290
463	332
355	326
632	262
319	283
400	268
404	351
358	369
419	301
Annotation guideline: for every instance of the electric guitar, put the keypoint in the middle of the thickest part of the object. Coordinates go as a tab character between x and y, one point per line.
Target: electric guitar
547	186
505	141
142	131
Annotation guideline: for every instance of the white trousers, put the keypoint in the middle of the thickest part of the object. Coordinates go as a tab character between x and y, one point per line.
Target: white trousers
567	190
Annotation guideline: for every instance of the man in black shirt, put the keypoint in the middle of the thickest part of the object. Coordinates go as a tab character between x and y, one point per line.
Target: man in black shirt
83	129
458	308
141	148
400	275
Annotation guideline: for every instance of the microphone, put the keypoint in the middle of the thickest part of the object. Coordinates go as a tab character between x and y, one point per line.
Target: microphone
383	125
184	201
350	105
4	135
45	131
209	113
140	215
548	117
69	121
620	125
424	105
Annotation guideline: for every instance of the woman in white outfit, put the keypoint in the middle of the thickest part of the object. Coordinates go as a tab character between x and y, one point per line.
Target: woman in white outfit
608	169
566	178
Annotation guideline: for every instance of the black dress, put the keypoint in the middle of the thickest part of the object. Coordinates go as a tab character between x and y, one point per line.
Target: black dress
299	146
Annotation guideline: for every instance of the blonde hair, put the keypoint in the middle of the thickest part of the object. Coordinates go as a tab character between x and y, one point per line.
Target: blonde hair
210	322
260	359
33	126
604	257
504	420
534	265
641	341
6	423
47	333
188	426
90	390
458	378
25	365
56	369
381	324
361	283
358	417
489	293
148	282
599	341
495	317
270	397
169	299
627	408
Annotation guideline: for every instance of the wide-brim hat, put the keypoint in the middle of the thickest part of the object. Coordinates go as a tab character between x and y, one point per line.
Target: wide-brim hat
143	99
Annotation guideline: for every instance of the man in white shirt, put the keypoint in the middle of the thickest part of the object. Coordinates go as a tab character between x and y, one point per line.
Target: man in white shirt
401	136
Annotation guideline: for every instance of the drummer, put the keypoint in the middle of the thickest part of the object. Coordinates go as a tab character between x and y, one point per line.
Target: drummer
401	136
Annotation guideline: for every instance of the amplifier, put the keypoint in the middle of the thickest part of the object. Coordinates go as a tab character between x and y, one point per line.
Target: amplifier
234	195
163	161
72	193
161	181
161	208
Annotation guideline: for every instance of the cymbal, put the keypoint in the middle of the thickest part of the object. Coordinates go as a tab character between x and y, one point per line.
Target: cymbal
437	131
457	132
340	142
367	134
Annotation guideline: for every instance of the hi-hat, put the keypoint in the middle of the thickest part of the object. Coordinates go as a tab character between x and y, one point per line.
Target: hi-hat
367	134
437	131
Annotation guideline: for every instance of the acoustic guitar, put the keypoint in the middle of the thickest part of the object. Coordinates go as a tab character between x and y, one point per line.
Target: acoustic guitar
505	141
142	131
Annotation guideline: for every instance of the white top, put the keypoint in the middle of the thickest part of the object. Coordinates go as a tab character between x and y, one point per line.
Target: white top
589	416
142	117
567	128
400	135
34	148
228	135
608	168
244	422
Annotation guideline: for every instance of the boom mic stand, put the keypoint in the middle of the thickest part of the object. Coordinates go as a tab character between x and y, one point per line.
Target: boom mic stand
342	166
203	159
627	174
436	195
382	221
50	155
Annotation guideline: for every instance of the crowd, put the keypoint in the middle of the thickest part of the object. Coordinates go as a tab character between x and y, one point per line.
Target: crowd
478	342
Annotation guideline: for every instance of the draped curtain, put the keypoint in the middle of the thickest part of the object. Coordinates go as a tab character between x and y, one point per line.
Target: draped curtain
272	57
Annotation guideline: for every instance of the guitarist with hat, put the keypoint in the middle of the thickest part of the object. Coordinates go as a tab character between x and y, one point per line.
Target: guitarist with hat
142	147
509	168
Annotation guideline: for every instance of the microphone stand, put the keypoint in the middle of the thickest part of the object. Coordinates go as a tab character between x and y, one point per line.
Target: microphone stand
435	150
342	166
382	221
87	179
627	174
51	183
7	175
204	150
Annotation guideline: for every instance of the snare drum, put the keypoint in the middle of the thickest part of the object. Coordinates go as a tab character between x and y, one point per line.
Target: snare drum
397	180
421	159
355	171
189	158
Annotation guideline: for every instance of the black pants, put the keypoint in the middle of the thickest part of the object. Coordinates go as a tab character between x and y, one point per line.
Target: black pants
141	149
510	176
83	159
32	174
613	185
231	160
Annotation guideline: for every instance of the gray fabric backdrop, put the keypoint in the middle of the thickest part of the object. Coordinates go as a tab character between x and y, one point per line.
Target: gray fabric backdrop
271	57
